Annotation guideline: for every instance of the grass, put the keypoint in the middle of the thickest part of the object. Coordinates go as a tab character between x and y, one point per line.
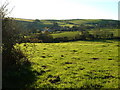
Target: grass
71	35
66	34
82	21
114	31
28	20
80	64
69	25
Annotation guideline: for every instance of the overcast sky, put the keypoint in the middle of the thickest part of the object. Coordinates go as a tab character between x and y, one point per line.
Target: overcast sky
64	9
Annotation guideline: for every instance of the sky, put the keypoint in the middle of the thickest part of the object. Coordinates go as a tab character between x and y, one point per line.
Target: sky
64	9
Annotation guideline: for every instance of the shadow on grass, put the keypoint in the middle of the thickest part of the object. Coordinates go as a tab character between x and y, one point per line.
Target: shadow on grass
17	76
22	78
92	87
102	40
95	40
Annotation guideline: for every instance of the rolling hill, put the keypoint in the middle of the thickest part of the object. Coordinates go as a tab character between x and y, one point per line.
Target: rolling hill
41	24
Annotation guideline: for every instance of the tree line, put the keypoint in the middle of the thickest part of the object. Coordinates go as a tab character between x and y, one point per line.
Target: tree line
47	37
35	33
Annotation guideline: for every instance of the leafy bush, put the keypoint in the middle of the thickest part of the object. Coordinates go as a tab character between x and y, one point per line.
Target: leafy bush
14	62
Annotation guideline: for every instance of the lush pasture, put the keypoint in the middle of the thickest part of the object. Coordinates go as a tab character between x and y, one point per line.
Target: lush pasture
74	33
81	64
66	34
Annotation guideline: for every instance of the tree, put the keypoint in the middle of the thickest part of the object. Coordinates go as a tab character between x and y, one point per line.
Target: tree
10	36
84	35
55	26
13	59
34	26
45	37
74	28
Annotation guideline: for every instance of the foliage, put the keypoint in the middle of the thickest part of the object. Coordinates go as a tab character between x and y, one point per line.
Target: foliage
46	38
38	38
14	62
10	33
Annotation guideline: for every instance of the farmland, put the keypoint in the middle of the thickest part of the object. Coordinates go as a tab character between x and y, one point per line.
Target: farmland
89	23
48	52
66	34
76	53
79	64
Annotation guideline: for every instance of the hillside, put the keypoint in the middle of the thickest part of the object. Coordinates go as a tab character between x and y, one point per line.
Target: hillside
91	23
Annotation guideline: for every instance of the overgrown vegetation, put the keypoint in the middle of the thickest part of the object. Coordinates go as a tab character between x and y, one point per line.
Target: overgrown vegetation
15	65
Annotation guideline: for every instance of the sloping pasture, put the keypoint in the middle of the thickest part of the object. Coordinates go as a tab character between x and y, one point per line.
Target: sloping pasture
81	64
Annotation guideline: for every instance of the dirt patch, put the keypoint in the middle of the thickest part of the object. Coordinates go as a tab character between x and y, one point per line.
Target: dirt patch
95	58
68	63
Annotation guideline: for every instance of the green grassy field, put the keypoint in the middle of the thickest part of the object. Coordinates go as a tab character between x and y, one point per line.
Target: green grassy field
80	64
71	35
66	34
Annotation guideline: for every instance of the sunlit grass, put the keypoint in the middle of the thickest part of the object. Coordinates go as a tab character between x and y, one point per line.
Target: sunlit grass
66	34
81	64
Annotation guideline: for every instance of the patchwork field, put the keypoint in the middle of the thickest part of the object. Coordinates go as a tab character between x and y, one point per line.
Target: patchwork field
81	64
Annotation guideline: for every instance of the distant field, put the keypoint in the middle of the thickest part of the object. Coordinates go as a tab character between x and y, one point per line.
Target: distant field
80	64
66	34
28	20
82	21
73	34
114	31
